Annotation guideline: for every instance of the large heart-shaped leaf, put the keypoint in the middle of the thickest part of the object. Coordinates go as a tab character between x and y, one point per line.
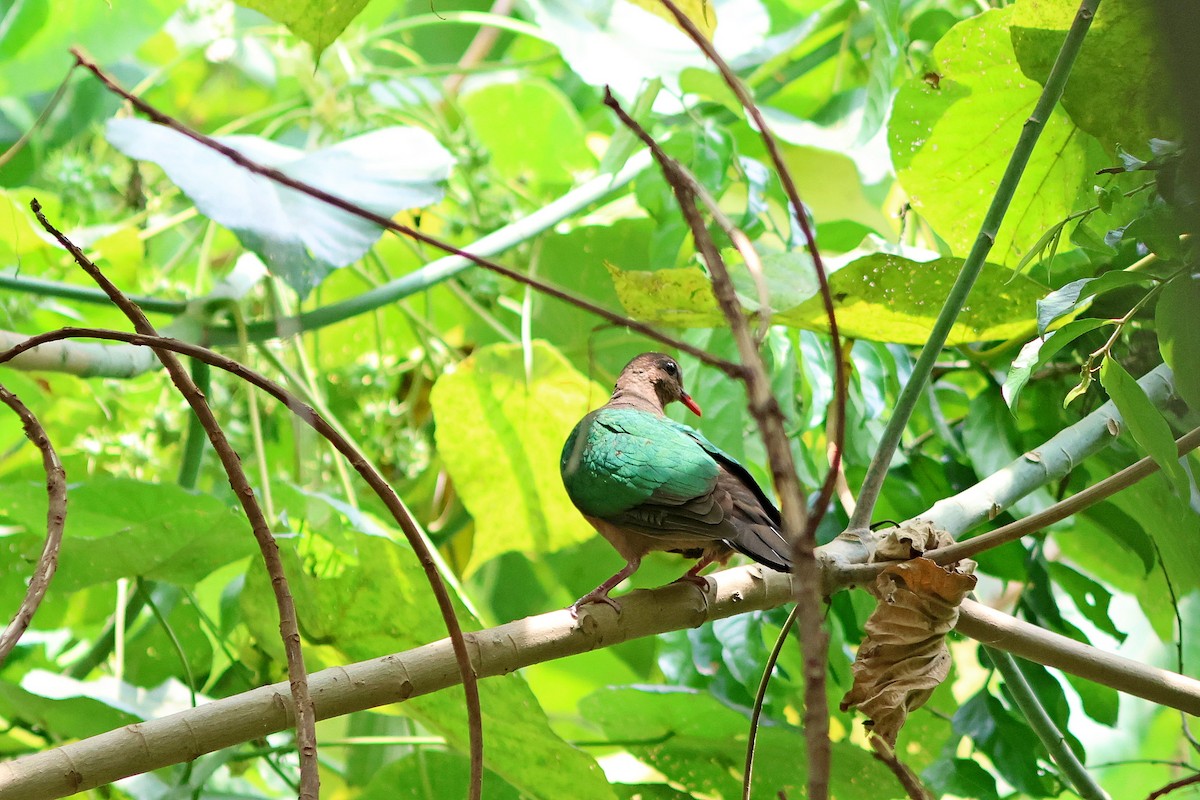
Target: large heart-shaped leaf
300	239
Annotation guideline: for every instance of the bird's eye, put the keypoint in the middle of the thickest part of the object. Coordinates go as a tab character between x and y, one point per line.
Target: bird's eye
670	367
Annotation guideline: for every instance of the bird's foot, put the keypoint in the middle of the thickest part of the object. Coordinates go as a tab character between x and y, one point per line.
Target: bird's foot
695	580
595	596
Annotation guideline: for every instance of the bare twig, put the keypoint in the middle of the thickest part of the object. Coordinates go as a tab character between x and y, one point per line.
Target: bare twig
769	417
387	223
306	721
56	517
760	698
908	779
1190	780
310	417
789	187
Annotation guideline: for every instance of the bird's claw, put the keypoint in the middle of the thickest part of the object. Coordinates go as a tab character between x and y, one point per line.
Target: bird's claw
594	597
695	580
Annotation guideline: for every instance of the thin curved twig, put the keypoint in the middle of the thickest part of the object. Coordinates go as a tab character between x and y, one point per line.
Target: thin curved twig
760	699
764	407
390	224
309	416
306	719
793	195
56	518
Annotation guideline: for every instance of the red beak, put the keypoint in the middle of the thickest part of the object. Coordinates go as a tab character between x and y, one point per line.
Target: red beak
691	404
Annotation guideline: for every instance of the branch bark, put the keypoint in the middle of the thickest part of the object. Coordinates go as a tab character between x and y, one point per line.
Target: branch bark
497	651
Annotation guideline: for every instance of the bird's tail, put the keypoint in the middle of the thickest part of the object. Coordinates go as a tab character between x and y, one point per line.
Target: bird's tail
765	545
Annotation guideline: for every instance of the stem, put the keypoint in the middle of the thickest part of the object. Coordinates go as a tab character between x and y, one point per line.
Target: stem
907	401
1085	785
193	444
88	294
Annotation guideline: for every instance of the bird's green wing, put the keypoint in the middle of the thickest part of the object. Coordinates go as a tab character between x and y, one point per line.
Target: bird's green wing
731	464
619	459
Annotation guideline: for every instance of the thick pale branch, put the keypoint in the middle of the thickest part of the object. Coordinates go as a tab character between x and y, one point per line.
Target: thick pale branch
999	630
497	651
1037	467
85	359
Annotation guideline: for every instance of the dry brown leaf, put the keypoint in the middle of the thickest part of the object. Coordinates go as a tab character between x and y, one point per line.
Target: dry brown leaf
904	657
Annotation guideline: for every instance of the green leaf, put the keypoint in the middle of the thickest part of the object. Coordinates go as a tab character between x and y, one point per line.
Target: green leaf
1090	597
1039	351
432	773
546	147
500	430
61	706
317	22
1179	335
299	238
679	298
1101	703
961	777
1144	421
700	744
1070	298
123	528
1119	90
951	142
36	36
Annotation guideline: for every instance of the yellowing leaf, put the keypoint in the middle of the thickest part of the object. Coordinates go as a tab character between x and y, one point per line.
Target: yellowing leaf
880	297
500	433
700	12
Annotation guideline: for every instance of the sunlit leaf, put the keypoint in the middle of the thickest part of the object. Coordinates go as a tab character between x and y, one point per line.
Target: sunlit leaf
1119	90
500	429
878	297
951	140
315	21
531	130
700	12
299	238
35	37
123	528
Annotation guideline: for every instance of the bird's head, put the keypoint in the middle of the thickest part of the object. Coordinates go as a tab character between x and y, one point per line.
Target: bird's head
661	374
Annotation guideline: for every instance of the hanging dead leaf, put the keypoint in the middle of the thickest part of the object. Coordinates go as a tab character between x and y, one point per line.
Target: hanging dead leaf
904	657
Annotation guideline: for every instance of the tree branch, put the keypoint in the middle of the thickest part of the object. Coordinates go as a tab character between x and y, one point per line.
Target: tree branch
84	359
56	518
1038	467
500	650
